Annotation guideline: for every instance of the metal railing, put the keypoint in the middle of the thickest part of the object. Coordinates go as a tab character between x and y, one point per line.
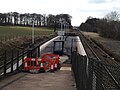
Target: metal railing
11	63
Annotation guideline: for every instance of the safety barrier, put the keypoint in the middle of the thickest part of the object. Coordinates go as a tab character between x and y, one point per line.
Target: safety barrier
50	61
47	62
31	63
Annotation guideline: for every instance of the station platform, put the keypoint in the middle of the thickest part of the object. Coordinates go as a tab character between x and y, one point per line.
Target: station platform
59	80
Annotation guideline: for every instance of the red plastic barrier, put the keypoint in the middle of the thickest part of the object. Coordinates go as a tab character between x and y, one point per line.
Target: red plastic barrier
31	63
46	62
51	61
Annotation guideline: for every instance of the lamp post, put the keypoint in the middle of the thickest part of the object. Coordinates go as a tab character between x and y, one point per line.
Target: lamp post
65	27
30	54
61	24
33	33
68	26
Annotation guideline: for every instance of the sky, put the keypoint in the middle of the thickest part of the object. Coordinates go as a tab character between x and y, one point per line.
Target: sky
78	9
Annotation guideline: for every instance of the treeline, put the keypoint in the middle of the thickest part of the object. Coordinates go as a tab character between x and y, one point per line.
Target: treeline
26	19
108	26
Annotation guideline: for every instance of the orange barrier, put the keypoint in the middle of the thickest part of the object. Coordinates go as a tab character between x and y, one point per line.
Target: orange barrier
47	62
31	63
51	61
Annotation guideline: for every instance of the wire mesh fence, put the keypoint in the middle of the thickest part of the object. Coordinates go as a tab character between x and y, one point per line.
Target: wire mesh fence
91	74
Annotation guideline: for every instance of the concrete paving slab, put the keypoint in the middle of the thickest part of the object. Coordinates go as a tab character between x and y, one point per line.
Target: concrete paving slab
59	80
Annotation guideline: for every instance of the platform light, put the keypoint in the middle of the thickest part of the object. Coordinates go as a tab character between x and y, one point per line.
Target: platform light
33	32
61	23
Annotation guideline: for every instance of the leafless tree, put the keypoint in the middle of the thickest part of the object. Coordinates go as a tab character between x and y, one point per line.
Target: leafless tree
112	16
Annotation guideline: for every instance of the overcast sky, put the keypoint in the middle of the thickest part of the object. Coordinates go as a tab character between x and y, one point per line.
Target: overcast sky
78	9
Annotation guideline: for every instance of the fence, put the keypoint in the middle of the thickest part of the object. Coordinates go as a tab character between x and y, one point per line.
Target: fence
91	74
11	62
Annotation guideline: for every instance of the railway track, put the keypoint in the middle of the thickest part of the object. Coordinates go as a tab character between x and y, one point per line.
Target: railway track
110	69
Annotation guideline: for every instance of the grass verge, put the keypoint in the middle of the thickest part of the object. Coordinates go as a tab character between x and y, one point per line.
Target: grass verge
109	46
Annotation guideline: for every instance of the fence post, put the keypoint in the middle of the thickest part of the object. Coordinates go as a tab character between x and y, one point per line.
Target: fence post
79	71
76	70
17	60
29	53
22	57
101	75
5	63
99	81
90	74
71	45
71	58
82	73
12	62
71	49
38	51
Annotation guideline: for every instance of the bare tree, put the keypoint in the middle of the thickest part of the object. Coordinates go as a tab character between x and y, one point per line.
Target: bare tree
112	16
